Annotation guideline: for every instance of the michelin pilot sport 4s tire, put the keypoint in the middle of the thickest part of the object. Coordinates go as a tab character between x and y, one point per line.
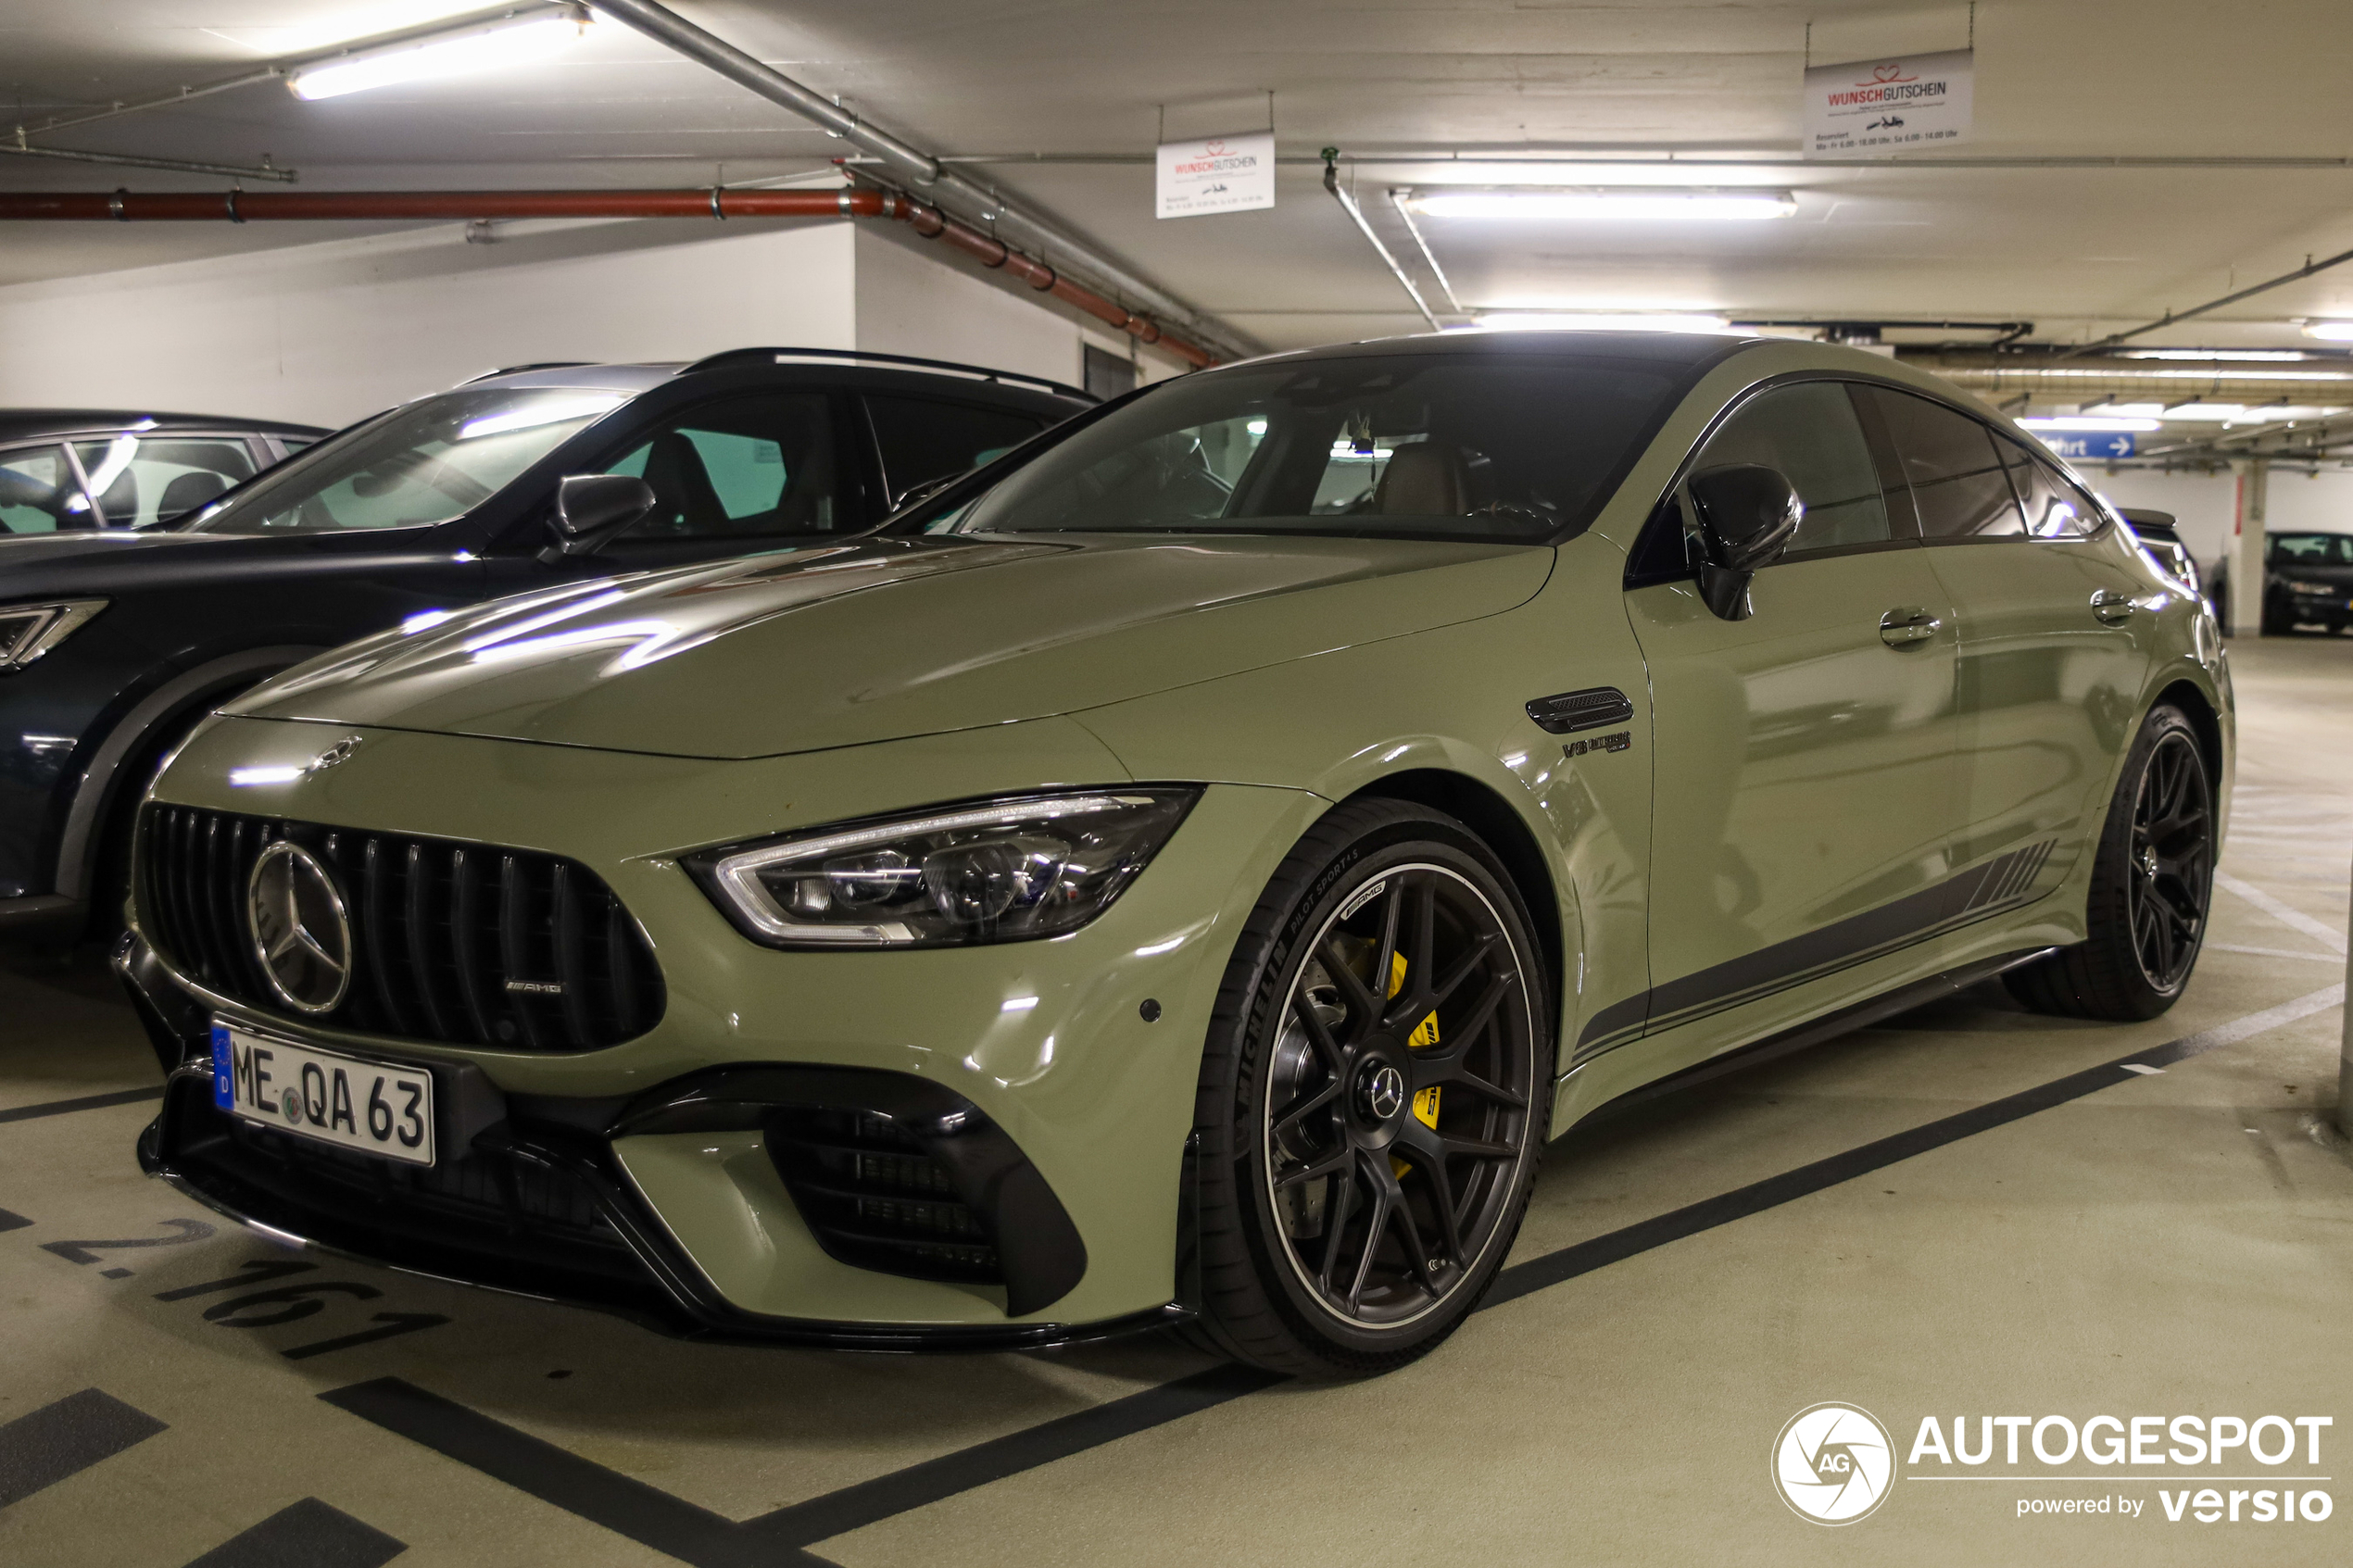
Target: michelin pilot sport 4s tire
1424	1102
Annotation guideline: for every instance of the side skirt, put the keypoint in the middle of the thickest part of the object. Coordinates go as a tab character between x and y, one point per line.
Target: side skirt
1814	1032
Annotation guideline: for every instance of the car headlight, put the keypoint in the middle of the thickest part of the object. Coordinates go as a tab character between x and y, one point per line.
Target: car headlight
29	631
997	871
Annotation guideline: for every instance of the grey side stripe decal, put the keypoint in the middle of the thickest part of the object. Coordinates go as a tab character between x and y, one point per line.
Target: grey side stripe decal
1968	895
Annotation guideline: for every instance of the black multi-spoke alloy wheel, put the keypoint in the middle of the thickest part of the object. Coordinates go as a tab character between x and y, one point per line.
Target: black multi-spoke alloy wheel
1374	1098
2152	882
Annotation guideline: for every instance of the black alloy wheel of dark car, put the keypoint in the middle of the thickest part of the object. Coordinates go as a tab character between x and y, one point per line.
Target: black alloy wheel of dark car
1374	1098
2152	884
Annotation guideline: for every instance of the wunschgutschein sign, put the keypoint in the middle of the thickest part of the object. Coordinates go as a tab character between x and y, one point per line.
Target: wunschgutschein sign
1888	106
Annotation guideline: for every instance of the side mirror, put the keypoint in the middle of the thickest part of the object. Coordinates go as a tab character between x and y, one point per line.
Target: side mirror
592	508
1746	515
926	490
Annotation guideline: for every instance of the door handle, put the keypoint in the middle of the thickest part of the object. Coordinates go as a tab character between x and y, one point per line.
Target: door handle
2113	608
1908	624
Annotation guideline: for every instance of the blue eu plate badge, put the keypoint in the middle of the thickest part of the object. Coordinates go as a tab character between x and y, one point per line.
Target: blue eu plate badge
223	1085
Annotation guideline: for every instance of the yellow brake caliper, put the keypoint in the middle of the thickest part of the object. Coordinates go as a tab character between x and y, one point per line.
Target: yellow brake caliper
1425	1035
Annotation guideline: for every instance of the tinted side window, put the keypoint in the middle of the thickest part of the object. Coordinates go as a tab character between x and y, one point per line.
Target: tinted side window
143	480
757	465
38	494
925	438
2055	508
1810	433
1957	478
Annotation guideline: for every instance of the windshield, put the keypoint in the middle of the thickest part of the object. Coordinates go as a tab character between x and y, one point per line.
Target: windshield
1475	447
2313	550
423	464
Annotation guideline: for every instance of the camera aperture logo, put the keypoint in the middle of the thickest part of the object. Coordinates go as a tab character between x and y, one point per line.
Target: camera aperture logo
1833	1463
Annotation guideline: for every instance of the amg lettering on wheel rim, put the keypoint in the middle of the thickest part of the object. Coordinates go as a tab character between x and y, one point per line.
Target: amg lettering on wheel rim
2172	861
1397	1105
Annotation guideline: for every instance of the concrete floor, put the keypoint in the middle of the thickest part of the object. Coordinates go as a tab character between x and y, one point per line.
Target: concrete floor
2161	1244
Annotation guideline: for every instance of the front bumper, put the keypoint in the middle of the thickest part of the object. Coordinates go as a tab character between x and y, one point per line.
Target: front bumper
700	1219
530	1209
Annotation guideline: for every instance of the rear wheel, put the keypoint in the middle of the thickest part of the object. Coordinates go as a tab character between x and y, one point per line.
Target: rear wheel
2152	881
1372	1097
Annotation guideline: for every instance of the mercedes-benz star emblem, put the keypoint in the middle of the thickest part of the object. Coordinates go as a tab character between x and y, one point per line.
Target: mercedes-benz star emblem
339	752
1384	1092
300	930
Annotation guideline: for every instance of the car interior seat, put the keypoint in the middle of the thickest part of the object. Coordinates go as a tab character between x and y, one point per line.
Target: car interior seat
188	492
1427	479
688	503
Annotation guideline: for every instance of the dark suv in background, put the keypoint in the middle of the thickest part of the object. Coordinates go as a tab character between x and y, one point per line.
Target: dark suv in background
64	470
2307	581
114	642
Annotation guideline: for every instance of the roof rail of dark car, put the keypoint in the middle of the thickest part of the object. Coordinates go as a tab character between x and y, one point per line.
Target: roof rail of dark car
729	359
518	370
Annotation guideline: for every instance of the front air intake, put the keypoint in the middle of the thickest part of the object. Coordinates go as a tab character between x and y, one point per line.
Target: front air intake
461	944
876	1197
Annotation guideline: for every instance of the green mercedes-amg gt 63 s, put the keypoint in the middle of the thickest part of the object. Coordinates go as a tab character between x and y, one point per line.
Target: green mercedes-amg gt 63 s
1185	871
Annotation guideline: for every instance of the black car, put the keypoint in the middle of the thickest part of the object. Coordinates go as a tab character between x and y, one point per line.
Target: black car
2307	581
2161	537
67	470
114	642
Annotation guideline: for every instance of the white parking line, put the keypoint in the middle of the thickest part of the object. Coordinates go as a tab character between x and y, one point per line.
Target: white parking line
2318	930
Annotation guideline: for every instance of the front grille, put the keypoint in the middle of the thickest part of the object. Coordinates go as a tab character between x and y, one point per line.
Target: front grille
456	943
874	1198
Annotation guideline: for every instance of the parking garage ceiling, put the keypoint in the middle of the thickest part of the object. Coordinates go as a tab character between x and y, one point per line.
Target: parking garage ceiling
2128	158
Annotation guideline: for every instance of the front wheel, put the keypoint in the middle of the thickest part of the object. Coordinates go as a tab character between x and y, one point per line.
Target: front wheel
2152	882
1373	1099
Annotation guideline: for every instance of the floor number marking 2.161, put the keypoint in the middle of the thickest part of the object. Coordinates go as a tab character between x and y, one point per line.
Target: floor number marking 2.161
184	1231
291	1303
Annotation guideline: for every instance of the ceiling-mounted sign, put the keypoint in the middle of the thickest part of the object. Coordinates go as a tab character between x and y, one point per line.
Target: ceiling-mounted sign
1218	174
2099	443
1888	106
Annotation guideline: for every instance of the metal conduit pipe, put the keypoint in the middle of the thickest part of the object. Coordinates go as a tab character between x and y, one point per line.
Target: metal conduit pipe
252	206
668	28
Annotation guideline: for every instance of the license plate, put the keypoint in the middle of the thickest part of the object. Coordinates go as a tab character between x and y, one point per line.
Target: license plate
367	1106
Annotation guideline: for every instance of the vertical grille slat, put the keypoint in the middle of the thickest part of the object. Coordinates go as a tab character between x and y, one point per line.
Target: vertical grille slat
514	950
432	942
211	919
375	922
567	931
465	940
619	976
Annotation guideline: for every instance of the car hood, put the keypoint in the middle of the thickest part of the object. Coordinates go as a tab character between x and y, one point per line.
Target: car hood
870	640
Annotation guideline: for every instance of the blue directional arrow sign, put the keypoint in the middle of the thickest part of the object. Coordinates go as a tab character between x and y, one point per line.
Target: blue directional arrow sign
2095	444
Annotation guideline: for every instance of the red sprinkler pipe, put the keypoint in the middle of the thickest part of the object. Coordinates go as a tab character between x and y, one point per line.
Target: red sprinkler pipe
254	206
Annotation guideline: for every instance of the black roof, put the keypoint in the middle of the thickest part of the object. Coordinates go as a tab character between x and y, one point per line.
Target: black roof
35	424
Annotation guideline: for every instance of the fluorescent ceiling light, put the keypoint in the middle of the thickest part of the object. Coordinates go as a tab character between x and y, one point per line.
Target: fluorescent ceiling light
2330	332
2206	411
2087	423
1605	204
523	37
2289	411
2235	355
1599	321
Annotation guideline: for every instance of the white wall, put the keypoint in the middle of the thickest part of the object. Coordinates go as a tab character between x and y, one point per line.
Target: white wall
2205	504
327	333
911	303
